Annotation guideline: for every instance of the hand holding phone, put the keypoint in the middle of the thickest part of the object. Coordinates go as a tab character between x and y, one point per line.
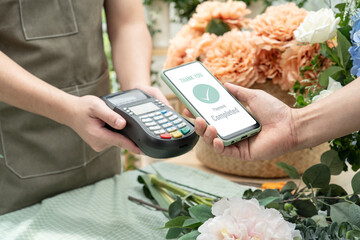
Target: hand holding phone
206	97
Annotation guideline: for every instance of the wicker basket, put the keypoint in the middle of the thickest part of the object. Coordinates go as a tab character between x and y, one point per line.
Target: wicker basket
301	160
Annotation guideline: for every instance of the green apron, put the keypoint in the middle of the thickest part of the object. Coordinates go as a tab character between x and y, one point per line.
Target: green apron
59	41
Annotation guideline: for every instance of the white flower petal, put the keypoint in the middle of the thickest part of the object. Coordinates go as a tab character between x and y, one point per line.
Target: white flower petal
317	27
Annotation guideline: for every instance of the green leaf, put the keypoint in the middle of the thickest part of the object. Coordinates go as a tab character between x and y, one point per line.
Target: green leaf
190	236
290	170
191	223
176	222
355	183
173	233
156	193
296	86
339	212
333	190
265	201
300	101
268	196
288	187
317	176
332	160
344	227
217	26
354	215
328	53
329	72
342	48
175	208
201	212
147	192
341	6
345	31
305	208
353	235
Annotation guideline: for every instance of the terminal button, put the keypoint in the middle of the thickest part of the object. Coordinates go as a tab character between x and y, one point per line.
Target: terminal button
176	134
185	130
165	136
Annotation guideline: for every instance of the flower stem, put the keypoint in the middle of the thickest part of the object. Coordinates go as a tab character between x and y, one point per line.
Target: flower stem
181	192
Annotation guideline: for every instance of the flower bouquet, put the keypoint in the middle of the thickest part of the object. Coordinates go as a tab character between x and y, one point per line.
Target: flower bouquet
307	207
258	53
310	54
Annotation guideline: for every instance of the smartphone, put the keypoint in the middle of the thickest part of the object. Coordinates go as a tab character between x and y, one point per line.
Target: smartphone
206	97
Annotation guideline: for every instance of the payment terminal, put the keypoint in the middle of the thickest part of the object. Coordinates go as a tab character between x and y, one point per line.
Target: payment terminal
156	129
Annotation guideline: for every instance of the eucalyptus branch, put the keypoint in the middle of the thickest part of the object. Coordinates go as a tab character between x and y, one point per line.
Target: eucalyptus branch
300	191
317	198
313	197
323	202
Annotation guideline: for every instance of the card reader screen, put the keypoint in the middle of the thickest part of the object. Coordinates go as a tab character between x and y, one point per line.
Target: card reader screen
125	98
144	108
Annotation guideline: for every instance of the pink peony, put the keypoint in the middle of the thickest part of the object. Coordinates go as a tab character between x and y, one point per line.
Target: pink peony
239	219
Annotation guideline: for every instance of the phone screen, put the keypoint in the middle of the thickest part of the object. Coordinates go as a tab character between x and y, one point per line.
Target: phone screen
211	100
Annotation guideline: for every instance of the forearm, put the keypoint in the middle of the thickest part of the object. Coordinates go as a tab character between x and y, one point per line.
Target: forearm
24	90
132	57
335	116
130	42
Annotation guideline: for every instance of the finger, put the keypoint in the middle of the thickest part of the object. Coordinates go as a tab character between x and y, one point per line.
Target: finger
103	112
119	140
241	93
158	94
200	126
210	134
187	113
218	146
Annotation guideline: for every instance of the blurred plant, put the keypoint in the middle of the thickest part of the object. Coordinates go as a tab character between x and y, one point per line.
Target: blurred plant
185	8
130	160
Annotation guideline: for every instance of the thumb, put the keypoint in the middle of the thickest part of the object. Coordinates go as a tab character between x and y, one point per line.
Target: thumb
241	93
103	112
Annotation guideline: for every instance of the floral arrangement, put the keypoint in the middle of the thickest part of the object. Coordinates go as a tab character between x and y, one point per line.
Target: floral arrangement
307	207
310	54
241	50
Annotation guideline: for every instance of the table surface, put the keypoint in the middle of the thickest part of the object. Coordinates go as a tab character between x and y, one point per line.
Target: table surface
190	160
102	211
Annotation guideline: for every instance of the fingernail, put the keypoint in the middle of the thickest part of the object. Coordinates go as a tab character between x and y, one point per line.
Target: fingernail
119	122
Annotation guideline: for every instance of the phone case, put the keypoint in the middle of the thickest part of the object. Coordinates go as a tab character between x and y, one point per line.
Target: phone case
189	106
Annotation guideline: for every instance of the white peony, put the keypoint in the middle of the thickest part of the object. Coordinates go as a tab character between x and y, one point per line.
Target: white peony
239	219
317	27
332	87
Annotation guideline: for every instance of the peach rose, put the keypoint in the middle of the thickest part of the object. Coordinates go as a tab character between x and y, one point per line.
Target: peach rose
279	22
232	58
178	46
232	13
295	57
